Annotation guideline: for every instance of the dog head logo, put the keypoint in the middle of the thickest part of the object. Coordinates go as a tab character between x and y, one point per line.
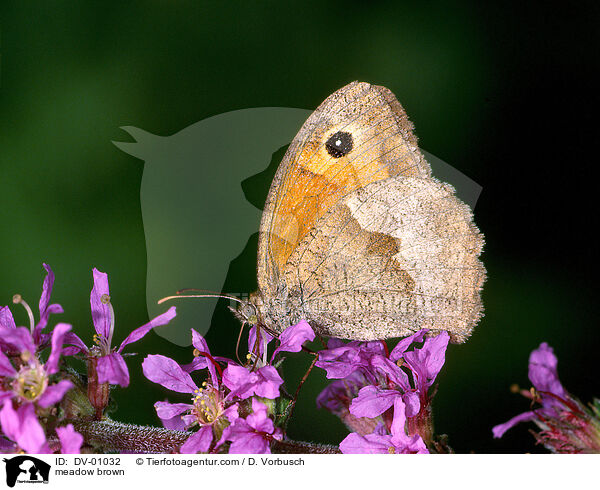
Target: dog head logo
26	469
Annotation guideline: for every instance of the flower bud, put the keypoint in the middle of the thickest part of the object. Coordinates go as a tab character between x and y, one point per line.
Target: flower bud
97	393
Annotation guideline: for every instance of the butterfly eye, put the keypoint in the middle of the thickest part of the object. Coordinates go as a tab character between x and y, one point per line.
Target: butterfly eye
339	144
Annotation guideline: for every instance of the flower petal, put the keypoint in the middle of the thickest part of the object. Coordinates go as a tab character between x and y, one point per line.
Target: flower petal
264	338
70	440
199	442
543	371
292	338
6	318
72	339
6	368
45	308
197	363
112	369
259	419
57	342
18	338
248	443
100	311
166	372
412	403
23	427
372	401
403	443
4	395
166	410
337	396
268	382
140	332
7	446
399	421
343	360
500	429
38	336
405	343
46	289
54	393
368	444
391	370
427	361
199	343
244	440
239	380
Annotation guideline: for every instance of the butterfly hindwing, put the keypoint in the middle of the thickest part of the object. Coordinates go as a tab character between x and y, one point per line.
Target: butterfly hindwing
392	257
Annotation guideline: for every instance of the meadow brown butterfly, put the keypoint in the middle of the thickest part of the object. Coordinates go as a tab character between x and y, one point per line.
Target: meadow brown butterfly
358	238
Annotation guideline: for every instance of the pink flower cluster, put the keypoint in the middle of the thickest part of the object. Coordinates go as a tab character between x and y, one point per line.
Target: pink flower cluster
383	397
233	407
30	382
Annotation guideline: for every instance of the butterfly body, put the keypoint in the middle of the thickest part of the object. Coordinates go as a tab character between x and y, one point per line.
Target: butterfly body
358	238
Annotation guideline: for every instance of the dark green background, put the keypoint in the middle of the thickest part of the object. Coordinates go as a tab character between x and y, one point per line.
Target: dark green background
503	92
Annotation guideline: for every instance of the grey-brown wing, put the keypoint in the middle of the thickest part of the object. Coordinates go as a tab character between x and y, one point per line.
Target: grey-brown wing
391	258
312	177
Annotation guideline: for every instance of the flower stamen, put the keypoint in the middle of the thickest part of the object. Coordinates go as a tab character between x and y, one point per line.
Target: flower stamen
105	300
31	382
18	299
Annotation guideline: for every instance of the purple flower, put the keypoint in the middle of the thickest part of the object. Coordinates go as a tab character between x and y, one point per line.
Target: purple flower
373	401
211	408
262	379
567	426
12	337
215	406
292	338
203	359
258	339
29	382
337	398
70	440
243	383
22	426
109	363
341	360
253	434
544	377
426	362
382	442
372	381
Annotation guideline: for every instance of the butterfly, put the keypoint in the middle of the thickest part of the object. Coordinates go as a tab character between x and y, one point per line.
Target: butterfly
358	238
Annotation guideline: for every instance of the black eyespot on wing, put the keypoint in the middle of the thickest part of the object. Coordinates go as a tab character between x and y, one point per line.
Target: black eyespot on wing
339	144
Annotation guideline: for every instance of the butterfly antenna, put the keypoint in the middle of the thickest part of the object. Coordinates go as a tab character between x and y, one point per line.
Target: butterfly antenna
177	296
256	349
237	345
292	405
204	291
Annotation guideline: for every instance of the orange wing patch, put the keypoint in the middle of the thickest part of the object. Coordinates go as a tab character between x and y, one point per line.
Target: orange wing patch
321	167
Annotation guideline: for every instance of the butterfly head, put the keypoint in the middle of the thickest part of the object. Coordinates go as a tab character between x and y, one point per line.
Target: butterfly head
248	311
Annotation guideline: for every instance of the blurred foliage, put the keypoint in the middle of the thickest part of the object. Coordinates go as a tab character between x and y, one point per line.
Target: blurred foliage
494	89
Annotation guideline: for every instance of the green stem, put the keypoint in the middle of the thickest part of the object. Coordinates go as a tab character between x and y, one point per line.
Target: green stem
301	447
111	436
